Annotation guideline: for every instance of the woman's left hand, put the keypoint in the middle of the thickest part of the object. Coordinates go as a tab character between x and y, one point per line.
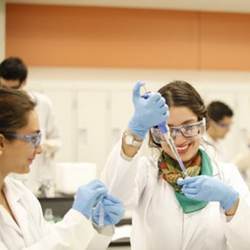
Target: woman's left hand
113	211
206	188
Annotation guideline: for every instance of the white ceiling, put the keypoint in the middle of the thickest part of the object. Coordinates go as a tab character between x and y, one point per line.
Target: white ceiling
202	5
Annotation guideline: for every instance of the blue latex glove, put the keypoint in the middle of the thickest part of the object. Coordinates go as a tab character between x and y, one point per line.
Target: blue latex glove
206	188
113	211
88	196
148	112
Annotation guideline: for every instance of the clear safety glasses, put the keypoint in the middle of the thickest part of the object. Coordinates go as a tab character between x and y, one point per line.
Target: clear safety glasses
223	125
34	139
188	131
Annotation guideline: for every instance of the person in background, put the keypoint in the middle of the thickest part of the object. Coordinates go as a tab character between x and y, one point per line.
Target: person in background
22	225
13	74
209	209
220	118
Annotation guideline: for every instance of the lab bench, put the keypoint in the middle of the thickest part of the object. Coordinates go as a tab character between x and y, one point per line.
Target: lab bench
60	204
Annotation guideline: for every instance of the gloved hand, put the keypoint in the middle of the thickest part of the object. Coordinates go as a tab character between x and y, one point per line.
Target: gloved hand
148	112
113	211
206	188
88	196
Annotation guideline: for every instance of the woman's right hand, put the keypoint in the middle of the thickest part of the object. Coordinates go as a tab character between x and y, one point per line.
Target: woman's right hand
88	196
148	111
113	211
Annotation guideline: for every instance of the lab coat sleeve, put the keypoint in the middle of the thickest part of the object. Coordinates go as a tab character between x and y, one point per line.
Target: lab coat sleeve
2	246
242	161
125	179
73	232
52	136
237	228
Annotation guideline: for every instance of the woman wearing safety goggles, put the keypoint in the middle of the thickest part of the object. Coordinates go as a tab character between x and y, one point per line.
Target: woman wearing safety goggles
206	207
22	225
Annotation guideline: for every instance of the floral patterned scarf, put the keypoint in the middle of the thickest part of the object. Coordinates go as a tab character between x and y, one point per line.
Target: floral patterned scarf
170	171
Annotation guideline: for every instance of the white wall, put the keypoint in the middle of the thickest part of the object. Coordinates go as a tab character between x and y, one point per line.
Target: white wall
94	105
2	29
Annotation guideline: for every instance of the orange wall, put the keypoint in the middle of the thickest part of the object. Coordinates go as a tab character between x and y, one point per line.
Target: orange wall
112	37
225	41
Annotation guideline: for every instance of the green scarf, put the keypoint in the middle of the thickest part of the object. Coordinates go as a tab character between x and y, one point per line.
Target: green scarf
188	205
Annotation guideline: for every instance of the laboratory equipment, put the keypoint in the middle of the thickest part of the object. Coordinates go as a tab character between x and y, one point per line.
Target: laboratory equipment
164	129
166	133
99	206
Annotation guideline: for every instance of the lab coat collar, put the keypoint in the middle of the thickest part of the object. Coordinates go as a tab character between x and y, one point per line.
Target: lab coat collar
209	139
12	192
13	196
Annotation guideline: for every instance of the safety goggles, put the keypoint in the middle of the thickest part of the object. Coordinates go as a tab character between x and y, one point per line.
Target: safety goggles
34	139
223	125
188	131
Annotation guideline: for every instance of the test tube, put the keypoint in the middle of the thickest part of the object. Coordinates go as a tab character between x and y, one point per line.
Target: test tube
101	216
99	206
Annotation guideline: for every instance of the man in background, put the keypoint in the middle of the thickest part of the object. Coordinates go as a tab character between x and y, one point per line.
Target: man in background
220	118
13	74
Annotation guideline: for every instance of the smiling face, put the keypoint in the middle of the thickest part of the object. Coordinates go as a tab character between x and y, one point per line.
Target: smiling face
17	155
186	147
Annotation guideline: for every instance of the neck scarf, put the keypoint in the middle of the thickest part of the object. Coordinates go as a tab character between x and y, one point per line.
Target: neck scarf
170	171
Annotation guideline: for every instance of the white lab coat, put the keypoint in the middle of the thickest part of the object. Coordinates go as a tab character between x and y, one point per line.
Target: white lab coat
158	220
34	233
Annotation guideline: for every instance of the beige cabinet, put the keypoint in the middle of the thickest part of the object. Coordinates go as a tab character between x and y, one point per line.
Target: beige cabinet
64	108
92	133
121	110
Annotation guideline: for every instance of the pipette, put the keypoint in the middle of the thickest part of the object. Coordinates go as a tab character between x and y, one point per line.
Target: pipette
166	133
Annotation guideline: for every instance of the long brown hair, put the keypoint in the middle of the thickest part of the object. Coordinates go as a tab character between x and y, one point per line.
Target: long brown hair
15	106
